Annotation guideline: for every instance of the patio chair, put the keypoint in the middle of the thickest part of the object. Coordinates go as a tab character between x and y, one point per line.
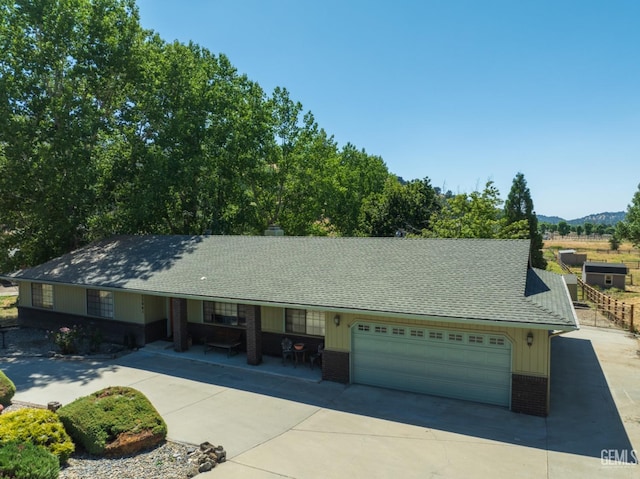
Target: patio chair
287	350
316	358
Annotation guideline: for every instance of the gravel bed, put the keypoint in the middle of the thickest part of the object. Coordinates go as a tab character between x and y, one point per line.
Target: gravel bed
31	342
169	460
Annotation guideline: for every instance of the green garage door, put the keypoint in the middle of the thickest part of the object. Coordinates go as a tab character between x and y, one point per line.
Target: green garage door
456	364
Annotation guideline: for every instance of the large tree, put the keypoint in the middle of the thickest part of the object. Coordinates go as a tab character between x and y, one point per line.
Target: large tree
474	215
400	207
630	228
563	228
360	177
65	70
107	129
519	207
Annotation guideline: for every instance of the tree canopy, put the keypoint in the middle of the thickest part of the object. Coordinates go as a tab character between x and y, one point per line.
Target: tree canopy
473	215
630	228
107	129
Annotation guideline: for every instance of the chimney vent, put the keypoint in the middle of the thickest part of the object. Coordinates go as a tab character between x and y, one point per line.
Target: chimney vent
274	230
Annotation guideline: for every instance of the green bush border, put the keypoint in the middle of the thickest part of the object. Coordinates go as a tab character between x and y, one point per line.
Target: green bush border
7	389
40	427
24	460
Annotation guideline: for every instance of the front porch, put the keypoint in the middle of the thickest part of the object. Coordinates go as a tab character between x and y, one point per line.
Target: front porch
270	365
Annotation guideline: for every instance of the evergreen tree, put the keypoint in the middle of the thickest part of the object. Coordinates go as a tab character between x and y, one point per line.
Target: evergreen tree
518	207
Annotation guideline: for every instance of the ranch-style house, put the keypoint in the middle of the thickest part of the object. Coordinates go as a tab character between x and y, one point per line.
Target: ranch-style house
460	318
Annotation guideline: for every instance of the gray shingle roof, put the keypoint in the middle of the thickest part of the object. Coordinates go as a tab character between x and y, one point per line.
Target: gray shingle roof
601	267
444	278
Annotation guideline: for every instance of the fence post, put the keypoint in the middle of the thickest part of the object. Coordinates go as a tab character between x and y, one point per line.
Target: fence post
631	328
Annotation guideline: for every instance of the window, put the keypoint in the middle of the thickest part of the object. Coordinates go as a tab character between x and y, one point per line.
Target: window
455	337
363	327
229	314
300	321
315	323
435	335
417	333
380	329
608	280
496	341
42	295
475	339
100	303
397	331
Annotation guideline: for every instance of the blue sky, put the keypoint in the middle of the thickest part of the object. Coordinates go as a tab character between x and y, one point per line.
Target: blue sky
460	91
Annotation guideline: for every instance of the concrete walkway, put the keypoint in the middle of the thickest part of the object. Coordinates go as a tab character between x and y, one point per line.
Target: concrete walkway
275	426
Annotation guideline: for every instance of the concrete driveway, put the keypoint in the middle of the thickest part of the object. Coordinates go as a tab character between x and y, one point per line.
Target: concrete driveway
274	426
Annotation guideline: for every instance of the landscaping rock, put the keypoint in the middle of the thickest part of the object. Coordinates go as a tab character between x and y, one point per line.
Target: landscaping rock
207	456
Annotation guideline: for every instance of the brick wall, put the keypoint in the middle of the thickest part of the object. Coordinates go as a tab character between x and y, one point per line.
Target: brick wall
254	335
529	394
335	366
118	332
179	318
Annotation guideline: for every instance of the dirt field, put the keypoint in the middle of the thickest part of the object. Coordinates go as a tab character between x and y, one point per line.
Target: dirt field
600	250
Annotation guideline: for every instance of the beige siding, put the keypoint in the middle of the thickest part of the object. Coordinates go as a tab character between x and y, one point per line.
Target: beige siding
24	294
194	311
128	307
532	359
272	319
69	299
155	308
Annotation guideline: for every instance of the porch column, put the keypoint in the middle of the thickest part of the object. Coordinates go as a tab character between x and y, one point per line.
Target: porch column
179	324
254	335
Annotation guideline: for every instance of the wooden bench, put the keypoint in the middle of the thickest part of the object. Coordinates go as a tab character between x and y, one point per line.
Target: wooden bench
227	339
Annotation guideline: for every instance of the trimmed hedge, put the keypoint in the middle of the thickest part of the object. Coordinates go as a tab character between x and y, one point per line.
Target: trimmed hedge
40	427
113	421
27	461
7	389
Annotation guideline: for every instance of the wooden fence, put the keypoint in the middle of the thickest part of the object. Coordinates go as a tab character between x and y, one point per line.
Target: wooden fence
617	311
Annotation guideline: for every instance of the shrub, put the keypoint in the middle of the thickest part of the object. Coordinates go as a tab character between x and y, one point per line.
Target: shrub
7	389
77	339
114	421
27	461
39	427
67	339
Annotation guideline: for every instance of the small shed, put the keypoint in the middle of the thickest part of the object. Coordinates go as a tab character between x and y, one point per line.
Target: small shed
605	275
571	258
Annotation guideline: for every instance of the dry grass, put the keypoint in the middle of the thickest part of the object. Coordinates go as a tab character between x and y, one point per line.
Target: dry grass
600	250
8	309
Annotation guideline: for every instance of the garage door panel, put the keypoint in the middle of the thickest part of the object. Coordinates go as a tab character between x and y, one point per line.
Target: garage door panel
455	364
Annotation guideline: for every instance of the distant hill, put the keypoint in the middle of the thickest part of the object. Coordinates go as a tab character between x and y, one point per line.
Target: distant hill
599	218
554	220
